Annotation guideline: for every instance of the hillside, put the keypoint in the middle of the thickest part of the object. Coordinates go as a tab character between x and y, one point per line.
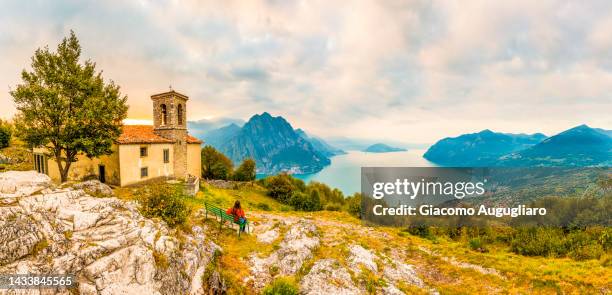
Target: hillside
478	149
382	148
578	146
331	252
100	235
274	145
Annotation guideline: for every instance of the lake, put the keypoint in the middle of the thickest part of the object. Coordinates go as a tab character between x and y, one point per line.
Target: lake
344	172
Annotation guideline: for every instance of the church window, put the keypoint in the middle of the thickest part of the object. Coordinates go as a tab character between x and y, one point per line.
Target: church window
179	111
164	114
166	155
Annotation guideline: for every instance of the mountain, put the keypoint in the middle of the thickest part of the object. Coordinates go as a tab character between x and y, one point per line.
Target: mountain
217	137
200	128
382	148
479	149
320	145
275	146
578	146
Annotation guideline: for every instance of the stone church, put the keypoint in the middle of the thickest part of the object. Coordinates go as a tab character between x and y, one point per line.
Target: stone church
142	152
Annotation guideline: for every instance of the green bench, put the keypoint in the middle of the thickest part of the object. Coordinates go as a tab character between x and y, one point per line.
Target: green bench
223	217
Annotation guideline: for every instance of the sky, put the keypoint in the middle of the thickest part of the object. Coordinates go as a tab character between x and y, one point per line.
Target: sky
411	71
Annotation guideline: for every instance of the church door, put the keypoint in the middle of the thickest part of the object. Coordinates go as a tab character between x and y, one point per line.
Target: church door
101	173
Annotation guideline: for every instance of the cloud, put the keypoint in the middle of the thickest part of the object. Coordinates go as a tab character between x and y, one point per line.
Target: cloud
410	70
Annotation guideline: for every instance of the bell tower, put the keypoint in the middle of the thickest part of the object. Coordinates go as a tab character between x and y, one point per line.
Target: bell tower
170	121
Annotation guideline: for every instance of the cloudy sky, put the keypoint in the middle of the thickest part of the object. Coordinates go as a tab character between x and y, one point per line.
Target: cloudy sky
414	71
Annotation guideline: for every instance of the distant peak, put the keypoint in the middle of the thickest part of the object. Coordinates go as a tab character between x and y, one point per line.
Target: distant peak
486	131
582	126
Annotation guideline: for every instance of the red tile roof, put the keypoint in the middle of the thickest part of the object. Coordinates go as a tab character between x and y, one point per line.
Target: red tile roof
191	139
144	134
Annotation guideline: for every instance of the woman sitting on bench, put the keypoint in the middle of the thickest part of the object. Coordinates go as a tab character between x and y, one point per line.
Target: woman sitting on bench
238	214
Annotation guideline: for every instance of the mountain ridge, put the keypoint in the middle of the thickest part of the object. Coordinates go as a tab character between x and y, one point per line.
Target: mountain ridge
478	149
382	148
274	145
577	146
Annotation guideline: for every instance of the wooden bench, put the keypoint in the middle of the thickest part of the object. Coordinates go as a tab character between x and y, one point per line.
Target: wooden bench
223	217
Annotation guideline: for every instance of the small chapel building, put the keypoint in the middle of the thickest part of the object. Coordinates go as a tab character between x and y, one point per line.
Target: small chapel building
142	152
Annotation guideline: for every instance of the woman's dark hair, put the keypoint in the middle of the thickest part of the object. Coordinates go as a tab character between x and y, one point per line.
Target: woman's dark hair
237	205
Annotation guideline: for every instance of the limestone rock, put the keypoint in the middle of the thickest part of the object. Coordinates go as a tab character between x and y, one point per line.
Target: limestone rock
296	247
327	276
268	236
94	187
359	256
105	242
22	183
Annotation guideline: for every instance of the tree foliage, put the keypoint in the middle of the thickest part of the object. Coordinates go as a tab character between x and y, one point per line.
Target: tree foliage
215	165
246	171
166	202
66	106
314	196
6	132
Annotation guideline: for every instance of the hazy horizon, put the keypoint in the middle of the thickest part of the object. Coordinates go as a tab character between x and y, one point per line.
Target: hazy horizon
414	71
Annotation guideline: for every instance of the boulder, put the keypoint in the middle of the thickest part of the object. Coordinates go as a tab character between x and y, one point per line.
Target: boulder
94	187
22	183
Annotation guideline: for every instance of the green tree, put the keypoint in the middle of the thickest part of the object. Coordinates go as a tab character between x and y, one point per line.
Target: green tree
6	132
215	165
280	187
315	201
66	106
246	171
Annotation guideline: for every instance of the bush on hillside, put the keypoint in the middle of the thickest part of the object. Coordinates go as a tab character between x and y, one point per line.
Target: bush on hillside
305	202
164	201
215	165
353	205
280	187
6	132
281	286
246	171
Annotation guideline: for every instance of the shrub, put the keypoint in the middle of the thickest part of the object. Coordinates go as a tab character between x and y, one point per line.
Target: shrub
280	187
332	207
477	244
281	286
585	252
539	241
353	205
161	261
263	206
5	134
419	230
165	202
215	165
305	202
246	171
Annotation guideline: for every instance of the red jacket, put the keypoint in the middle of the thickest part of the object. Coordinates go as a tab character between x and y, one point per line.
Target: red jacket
236	212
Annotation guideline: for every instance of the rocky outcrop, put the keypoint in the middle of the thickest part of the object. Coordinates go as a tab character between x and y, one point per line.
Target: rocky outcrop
296	247
109	246
361	257
327	276
94	187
